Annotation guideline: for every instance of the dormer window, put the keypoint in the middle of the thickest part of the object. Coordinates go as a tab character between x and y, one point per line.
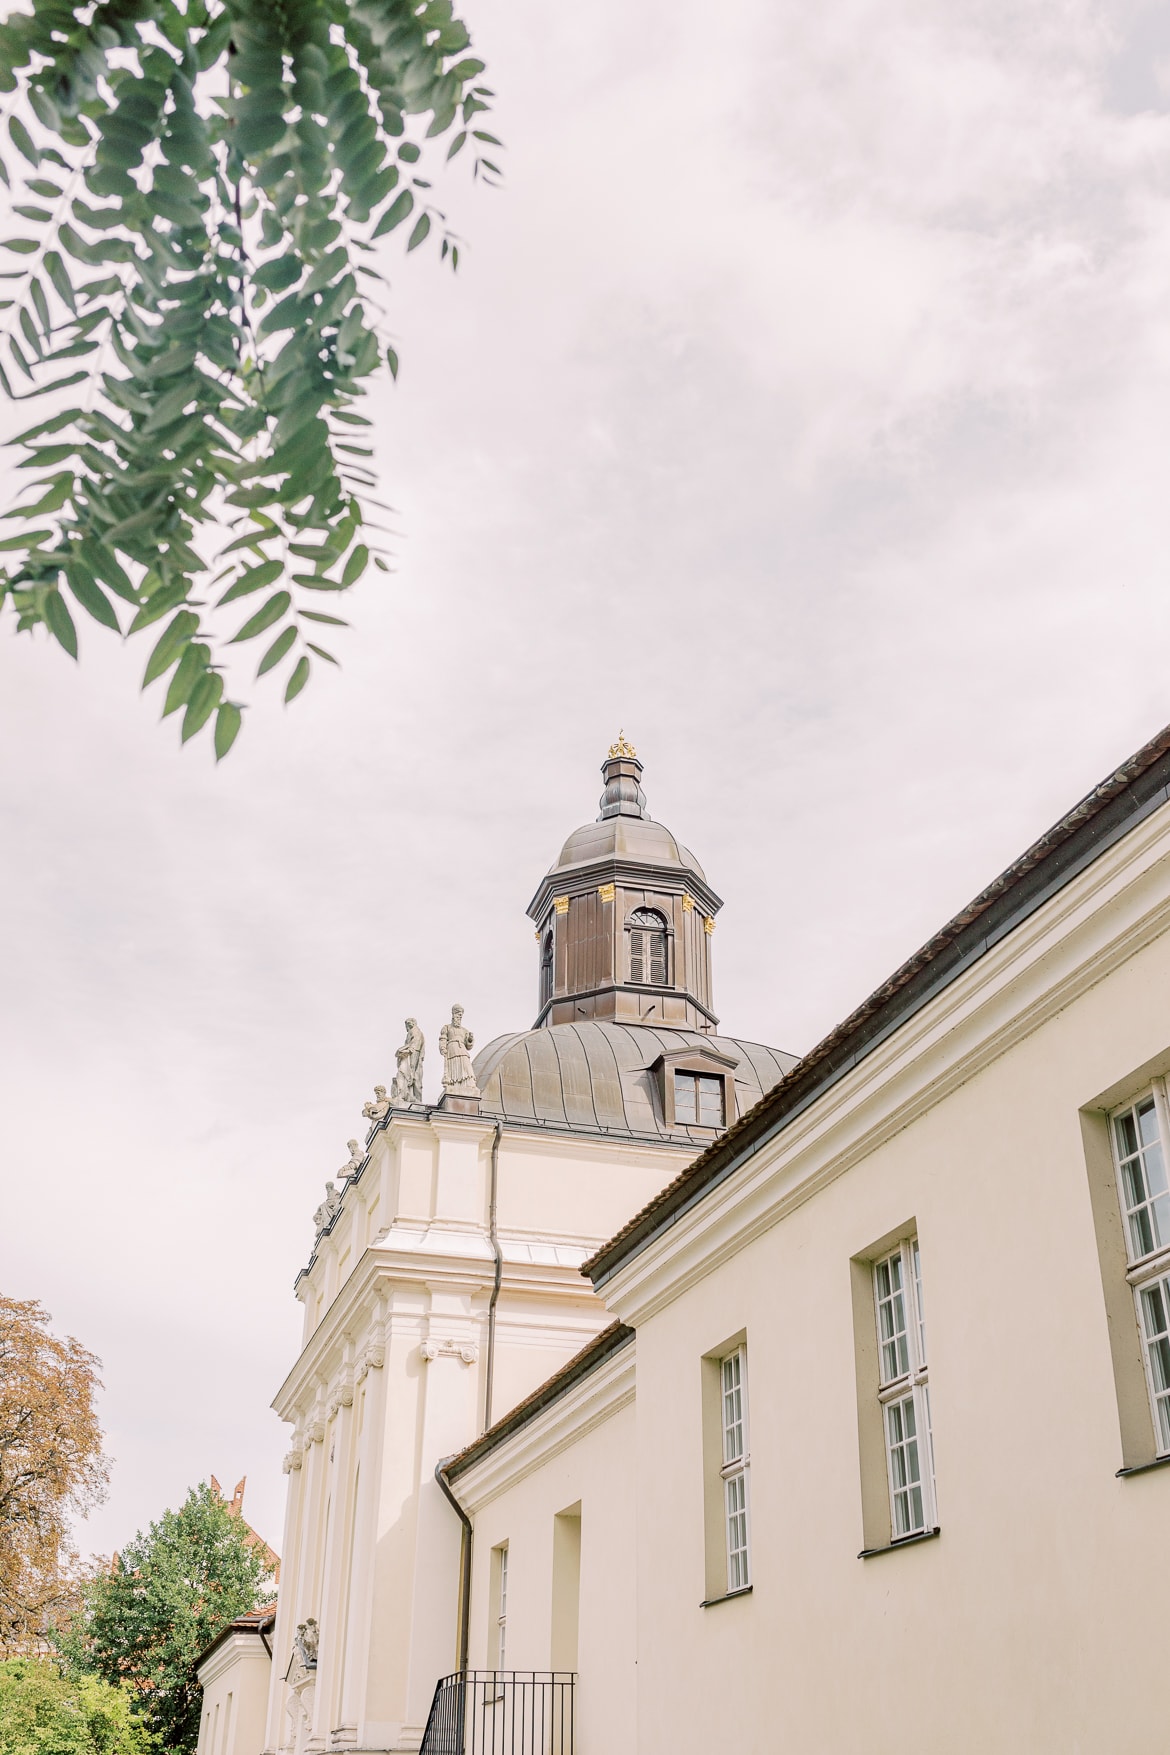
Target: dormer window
698	1099
647	930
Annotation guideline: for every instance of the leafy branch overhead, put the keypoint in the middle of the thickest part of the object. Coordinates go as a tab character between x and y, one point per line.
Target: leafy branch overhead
202	185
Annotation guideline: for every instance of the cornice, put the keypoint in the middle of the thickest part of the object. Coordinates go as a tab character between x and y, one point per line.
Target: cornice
382	1270
630	874
592	1401
1096	922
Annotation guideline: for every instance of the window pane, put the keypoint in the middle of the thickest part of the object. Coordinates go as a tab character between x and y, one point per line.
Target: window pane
737	1556
894	1343
685	1097
904	1464
1144	1190
1155	1307
1147	1121
732	1408
710	1101
920	1308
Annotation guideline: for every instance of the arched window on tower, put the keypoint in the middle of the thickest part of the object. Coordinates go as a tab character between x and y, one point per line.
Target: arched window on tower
546	969
647	928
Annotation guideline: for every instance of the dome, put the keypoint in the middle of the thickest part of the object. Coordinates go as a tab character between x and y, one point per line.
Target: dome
622	837
594	1077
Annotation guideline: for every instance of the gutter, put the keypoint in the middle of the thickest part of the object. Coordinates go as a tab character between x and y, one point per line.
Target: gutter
464	1560
493	1236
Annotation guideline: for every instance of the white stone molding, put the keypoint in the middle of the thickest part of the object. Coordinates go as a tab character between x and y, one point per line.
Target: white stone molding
596	1398
467	1351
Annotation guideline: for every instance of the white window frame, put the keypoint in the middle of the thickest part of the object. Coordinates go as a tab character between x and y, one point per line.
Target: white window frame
1148	1273
904	1390
735	1468
694	1084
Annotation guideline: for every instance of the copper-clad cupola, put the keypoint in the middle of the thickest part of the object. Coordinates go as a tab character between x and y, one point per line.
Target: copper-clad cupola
625	916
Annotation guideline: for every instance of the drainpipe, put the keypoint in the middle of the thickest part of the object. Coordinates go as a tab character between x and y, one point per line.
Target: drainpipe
464	1560
489	1371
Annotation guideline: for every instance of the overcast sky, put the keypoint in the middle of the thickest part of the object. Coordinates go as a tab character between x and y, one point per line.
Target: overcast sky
802	406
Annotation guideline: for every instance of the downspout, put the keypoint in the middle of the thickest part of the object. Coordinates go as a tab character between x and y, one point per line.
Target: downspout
464	1561
493	1237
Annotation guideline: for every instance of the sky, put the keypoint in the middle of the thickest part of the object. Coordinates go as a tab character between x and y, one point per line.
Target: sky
802	407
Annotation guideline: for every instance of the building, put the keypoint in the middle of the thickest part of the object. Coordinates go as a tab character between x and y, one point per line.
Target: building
862	1441
447	1285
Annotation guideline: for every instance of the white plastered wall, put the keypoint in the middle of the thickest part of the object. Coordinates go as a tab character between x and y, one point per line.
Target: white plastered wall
1035	1623
392	1378
235	1683
578	1454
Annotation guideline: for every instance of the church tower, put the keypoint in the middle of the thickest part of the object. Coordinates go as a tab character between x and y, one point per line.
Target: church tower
624	918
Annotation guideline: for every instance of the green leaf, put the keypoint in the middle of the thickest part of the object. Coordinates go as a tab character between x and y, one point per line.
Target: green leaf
315	615
356	565
191	667
227	728
205	698
276	606
90	595
420	231
297	680
320	651
60	622
253	580
397	211
277	651
173	639
23	141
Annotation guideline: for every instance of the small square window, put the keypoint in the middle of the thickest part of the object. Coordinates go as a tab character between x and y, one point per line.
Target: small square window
698	1099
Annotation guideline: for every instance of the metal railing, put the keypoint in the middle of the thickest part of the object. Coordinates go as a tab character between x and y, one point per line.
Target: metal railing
502	1712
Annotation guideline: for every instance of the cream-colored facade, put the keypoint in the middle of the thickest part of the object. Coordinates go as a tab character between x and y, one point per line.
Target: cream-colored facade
860	1442
1028	1615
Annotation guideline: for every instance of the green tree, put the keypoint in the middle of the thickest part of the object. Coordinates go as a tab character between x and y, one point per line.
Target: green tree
201	184
46	1712
146	1619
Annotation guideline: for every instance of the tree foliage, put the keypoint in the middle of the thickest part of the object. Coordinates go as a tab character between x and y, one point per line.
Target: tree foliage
201	186
146	1619
44	1711
51	1466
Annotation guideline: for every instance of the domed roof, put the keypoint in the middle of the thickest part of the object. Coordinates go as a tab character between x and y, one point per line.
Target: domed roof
623	830
623	837
594	1077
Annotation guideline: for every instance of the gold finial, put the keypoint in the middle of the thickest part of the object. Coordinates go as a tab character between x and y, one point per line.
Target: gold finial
621	748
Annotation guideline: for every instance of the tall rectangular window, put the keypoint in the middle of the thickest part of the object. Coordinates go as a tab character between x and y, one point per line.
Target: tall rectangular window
904	1390
1139	1133
497	1641
733	1381
502	1613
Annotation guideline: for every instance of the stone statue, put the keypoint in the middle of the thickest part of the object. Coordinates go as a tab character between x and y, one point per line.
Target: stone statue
305	1643
356	1157
330	1205
407	1086
455	1044
379	1107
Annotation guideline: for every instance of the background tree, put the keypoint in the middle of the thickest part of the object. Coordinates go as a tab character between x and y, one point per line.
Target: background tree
145	1620
51	1466
44	1711
203	183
